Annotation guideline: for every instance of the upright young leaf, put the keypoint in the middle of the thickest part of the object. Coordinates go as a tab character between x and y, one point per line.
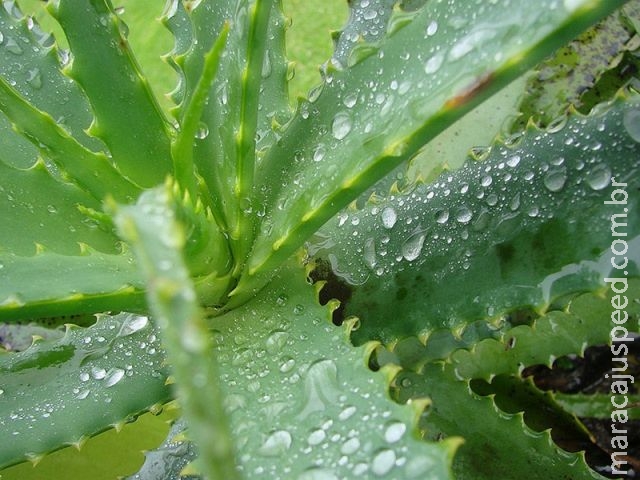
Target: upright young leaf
158	240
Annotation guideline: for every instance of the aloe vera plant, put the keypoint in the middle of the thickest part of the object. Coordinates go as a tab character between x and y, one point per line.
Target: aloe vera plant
199	253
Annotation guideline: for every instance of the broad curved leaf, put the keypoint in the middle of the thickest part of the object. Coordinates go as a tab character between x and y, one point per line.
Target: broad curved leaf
517	230
56	393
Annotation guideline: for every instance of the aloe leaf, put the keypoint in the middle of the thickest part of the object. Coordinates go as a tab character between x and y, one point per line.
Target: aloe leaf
224	151
88	283
571	73
89	372
158	240
32	62
37	208
137	135
494	236
380	124
92	171
315	399
367	24
556	334
595	405
483	455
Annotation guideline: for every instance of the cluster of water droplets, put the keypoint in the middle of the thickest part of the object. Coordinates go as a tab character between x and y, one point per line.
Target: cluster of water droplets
104	361
510	188
313	415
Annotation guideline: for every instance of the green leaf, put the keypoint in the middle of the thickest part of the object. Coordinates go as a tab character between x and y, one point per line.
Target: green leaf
32	62
554	335
457	410
91	171
126	115
88	283
38	209
516	231
595	405
158	241
105	374
316	409
225	145
364	123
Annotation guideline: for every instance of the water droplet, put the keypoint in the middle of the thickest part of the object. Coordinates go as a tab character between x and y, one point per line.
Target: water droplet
266	65
52	209
132	324
98	373
82	394
13	47
513	161
389	217
350	100
383	462
442	216
432	28
599	177
347	413
276	341
203	131
113	376
276	444
394	432
319	153
486	180
287	364
464	215
34	78
350	446
412	247
341	126
321	387
554	180
316	473
631	122
84	377
434	63
316	437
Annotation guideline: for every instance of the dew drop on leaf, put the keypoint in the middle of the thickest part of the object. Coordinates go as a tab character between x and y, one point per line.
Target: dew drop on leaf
13	47
316	473
203	131
432	28
319	153
316	437
464	215
276	444
113	376
132	324
442	216
599	177
554	180
631	122
434	63
389	217
341	126
394	431
350	100
350	446
412	247
383	462
34	78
